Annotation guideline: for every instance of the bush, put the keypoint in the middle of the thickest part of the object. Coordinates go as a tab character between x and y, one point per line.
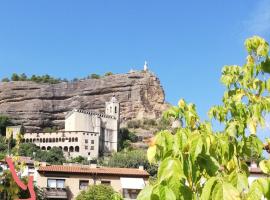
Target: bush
134	124
4	122
79	159
132	159
98	192
125	137
5	80
108	74
94	76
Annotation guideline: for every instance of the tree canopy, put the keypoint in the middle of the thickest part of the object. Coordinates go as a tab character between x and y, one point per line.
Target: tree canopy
99	192
199	163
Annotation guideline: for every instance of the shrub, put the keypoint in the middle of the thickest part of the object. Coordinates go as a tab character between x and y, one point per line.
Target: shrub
98	192
108	74
134	124
94	76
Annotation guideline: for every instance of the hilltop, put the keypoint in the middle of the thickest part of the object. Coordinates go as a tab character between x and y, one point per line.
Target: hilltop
41	105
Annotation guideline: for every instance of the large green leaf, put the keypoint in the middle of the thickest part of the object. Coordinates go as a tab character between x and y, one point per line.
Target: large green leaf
225	191
170	167
166	193
146	193
208	163
239	180
208	187
259	188
265	166
151	153
196	146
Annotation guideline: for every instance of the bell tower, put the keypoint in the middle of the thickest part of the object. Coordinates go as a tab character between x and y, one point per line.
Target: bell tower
113	108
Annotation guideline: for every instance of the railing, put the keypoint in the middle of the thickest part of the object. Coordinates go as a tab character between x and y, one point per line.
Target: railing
58	193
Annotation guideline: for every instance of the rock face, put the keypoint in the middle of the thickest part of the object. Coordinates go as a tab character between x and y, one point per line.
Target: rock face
39	105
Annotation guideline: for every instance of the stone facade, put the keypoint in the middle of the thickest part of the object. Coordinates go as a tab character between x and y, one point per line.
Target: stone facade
88	134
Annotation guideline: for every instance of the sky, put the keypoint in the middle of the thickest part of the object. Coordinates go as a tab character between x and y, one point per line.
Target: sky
186	43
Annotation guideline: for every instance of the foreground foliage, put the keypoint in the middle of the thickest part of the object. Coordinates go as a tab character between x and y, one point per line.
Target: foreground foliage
99	192
199	163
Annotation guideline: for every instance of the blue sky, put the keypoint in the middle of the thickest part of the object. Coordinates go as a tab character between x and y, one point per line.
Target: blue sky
186	43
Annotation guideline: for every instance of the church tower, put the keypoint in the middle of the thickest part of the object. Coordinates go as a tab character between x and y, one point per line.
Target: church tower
113	108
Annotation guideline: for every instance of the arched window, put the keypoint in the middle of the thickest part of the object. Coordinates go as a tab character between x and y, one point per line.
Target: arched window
77	148
50	139
69	139
115	109
48	148
43	148
31	140
61	148
76	139
34	140
53	140
56	139
47	140
23	140
37	139
63	139
72	139
27	140
71	149
44	140
65	148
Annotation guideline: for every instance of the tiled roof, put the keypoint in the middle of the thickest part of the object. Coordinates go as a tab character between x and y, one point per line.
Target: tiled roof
89	170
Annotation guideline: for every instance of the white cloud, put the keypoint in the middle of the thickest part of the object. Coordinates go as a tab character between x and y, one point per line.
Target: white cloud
259	22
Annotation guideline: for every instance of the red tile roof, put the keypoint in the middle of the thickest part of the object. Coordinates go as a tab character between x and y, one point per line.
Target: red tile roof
89	170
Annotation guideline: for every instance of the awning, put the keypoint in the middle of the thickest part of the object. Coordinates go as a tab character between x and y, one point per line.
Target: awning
132	183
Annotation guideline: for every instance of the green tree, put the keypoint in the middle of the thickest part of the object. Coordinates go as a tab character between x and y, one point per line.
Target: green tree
79	159
108	74
27	149
23	77
5	79
131	159
53	156
4	122
199	163
15	77
94	76
99	192
125	137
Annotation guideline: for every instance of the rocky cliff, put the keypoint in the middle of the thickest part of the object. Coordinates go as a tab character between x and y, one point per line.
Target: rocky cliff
45	105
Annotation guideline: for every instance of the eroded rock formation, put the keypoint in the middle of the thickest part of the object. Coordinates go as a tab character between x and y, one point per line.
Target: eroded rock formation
39	105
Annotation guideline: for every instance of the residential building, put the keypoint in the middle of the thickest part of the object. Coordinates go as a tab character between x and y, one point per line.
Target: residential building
67	181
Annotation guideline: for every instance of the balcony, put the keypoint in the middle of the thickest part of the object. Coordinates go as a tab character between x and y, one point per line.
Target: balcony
56	193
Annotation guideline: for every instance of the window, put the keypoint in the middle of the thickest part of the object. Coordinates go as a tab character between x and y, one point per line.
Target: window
92	141
115	109
89	153
86	147
83	184
86	141
92	147
130	193
56	183
106	182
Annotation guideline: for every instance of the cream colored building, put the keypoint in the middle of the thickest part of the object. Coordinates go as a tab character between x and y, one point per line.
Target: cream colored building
86	133
66	182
